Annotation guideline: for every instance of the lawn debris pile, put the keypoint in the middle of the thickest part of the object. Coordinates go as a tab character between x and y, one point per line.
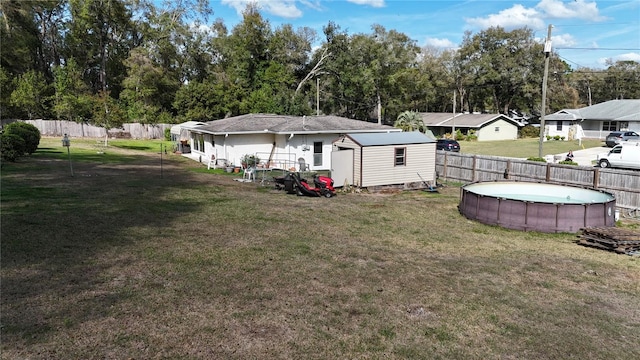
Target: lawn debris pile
623	241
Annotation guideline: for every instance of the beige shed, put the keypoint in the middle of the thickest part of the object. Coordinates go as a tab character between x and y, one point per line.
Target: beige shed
377	159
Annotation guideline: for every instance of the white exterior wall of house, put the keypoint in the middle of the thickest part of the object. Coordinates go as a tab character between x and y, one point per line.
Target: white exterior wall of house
285	155
505	131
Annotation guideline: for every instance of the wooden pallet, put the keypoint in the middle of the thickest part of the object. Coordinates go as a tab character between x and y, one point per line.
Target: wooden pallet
624	241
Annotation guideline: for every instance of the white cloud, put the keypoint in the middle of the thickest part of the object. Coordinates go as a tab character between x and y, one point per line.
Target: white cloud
283	8
515	17
628	57
372	3
578	9
562	40
440	43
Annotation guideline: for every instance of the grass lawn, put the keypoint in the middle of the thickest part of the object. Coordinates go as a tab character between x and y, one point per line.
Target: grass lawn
133	259
524	148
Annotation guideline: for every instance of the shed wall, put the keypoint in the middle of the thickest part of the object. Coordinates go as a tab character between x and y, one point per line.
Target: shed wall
378	165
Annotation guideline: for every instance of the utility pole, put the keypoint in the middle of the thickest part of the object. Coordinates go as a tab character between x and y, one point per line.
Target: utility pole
547	52
317	96
453	119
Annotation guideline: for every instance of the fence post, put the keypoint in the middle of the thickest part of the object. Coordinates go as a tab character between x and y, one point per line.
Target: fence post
473	169
547	177
596	177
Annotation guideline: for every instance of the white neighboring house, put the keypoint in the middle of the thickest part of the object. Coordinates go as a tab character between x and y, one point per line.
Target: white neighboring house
487	126
279	141
596	121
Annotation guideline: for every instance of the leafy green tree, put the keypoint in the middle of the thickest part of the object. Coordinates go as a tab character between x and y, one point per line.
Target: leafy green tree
30	94
501	67
410	121
71	100
107	113
6	88
29	133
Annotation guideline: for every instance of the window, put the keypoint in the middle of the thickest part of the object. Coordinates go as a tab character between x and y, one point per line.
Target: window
198	142
609	126
401	156
559	125
317	153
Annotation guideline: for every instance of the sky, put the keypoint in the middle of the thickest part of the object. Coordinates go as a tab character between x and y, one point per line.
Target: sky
585	33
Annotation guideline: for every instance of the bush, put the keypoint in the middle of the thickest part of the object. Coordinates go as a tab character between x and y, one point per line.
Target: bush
538	159
29	133
12	146
568	162
529	132
167	134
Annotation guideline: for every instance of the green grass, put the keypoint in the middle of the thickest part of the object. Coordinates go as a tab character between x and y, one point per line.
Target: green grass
524	148
119	262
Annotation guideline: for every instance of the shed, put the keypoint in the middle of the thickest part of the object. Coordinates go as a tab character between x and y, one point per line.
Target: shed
377	159
181	131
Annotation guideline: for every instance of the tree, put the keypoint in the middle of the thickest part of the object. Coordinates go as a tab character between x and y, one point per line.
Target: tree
107	113
71	100
410	121
30	94
500	67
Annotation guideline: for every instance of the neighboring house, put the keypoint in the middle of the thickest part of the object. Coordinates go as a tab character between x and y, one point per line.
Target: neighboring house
383	159
279	141
486	126
596	121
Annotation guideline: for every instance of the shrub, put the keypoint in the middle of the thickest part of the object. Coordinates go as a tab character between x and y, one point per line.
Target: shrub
530	132
167	134
568	162
557	137
535	158
29	133
12	146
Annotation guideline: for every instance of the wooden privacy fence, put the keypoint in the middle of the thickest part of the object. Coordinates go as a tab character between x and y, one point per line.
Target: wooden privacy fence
79	130
466	168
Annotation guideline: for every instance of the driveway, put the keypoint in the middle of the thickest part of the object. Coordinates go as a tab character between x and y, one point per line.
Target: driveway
586	157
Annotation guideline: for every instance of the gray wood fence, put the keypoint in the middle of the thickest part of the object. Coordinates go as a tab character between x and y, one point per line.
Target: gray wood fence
79	130
466	168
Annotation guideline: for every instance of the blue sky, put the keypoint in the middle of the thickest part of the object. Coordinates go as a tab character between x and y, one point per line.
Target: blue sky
585	32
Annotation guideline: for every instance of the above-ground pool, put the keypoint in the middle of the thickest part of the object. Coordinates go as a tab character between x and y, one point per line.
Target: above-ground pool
537	206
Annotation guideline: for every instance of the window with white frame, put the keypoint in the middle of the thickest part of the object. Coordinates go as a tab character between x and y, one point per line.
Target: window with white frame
559	125
609	126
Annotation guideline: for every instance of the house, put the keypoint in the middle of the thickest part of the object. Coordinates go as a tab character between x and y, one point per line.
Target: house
486	126
377	159
278	141
180	135
595	121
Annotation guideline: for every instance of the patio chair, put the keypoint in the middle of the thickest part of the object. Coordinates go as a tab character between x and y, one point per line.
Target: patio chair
303	166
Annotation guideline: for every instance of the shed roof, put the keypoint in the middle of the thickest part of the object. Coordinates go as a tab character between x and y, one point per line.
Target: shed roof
613	110
395	138
464	119
286	124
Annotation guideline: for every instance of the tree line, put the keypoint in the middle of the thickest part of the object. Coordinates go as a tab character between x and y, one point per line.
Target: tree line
106	62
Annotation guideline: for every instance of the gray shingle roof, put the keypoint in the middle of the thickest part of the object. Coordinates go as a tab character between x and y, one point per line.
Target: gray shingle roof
396	138
463	120
613	110
285	124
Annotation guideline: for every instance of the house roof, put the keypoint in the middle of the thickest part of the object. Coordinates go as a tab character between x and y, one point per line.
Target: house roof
285	124
395	138
613	110
176	129
464	119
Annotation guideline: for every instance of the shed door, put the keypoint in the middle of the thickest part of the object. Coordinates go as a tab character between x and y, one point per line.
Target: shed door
342	167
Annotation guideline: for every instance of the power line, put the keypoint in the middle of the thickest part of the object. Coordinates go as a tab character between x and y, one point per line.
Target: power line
592	48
